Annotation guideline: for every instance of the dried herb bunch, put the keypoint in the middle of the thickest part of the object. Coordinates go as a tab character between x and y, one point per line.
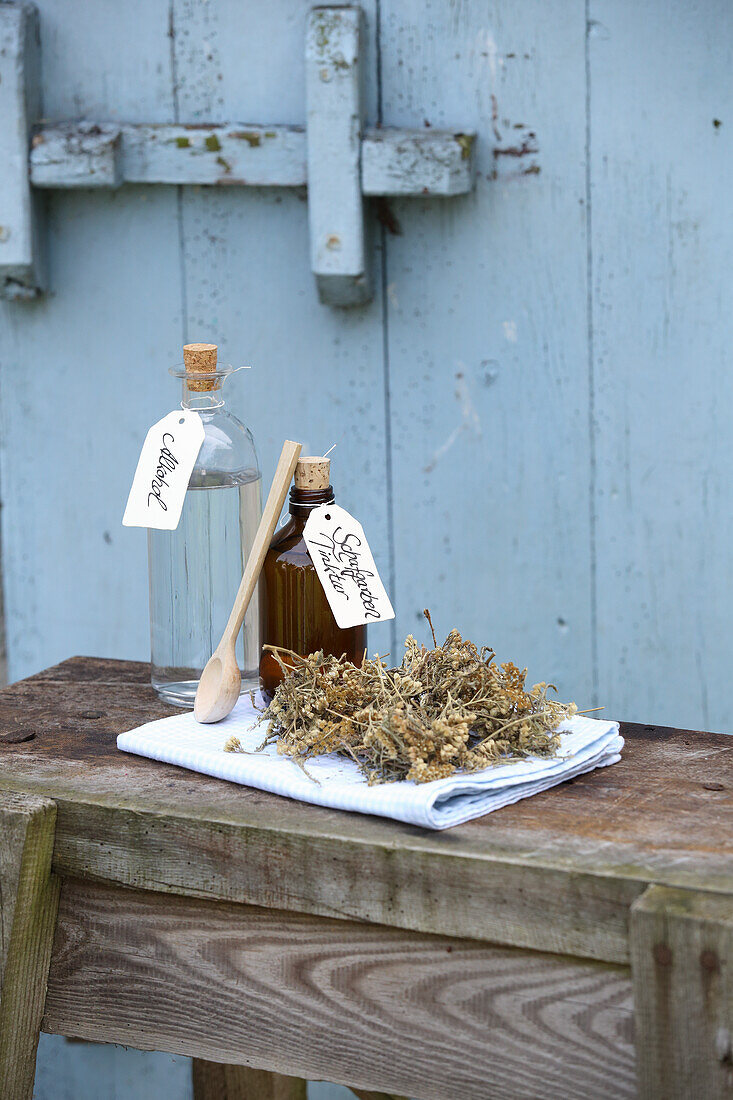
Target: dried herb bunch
441	710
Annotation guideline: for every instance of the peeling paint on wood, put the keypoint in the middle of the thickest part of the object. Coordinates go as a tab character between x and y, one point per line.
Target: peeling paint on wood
662	248
487	340
67	156
335	117
78	155
21	260
395	162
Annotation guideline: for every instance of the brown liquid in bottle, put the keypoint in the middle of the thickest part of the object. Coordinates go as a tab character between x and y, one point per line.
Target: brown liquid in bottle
297	615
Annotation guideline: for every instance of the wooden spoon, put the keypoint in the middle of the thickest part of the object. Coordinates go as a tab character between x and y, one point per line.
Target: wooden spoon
221	680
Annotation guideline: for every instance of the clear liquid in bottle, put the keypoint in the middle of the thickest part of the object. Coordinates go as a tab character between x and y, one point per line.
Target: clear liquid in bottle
194	576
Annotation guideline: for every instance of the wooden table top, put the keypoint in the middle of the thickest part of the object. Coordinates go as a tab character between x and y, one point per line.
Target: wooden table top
557	871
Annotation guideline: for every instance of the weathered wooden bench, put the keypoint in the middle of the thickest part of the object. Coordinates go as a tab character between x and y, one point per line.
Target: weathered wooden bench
579	944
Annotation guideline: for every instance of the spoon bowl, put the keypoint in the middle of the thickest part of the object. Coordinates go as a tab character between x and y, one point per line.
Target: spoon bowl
219	687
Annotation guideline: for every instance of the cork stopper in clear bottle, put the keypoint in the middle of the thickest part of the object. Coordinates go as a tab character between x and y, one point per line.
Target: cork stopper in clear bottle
201	359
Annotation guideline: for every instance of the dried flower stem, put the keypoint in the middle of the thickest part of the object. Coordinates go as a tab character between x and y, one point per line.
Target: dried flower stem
441	710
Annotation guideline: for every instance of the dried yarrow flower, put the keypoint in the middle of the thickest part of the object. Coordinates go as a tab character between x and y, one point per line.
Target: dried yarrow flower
446	709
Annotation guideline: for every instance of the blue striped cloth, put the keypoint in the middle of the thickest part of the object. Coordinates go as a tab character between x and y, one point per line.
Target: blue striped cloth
337	782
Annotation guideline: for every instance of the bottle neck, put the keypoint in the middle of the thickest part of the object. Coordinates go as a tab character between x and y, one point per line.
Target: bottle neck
204	400
303	501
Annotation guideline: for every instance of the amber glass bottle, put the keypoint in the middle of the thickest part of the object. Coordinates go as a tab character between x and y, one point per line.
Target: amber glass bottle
297	615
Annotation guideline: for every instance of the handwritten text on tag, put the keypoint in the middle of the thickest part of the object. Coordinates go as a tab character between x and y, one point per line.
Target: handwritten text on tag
168	456
345	567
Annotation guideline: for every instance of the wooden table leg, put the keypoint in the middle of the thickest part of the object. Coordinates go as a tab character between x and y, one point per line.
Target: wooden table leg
29	896
682	964
213	1081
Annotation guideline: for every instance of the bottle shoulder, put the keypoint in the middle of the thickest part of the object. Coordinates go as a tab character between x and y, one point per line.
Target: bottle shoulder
288	544
228	447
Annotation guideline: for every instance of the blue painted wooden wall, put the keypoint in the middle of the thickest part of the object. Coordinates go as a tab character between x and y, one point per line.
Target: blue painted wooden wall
533	416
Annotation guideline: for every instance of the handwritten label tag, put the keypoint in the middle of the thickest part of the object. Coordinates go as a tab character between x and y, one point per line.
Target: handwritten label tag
345	567
168	456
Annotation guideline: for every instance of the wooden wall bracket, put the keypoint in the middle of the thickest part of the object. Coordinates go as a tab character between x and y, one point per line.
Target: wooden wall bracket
340	161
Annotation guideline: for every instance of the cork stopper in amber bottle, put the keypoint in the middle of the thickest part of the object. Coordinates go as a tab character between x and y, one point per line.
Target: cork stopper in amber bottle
313	473
200	359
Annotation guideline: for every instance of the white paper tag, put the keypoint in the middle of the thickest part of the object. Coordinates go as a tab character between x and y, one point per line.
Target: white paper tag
345	567
168	456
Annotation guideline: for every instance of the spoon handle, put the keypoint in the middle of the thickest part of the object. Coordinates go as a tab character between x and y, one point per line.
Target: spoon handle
275	500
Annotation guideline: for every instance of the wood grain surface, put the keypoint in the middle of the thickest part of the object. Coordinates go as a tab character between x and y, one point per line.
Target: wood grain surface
29	896
374	1007
556	872
682	954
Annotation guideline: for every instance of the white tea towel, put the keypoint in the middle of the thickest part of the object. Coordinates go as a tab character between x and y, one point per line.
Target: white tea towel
586	744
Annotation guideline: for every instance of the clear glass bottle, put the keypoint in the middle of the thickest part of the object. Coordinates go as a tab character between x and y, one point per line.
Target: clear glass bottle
195	570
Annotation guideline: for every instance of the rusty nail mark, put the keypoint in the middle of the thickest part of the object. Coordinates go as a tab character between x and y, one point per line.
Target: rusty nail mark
709	960
386	216
662	954
333	242
528	147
